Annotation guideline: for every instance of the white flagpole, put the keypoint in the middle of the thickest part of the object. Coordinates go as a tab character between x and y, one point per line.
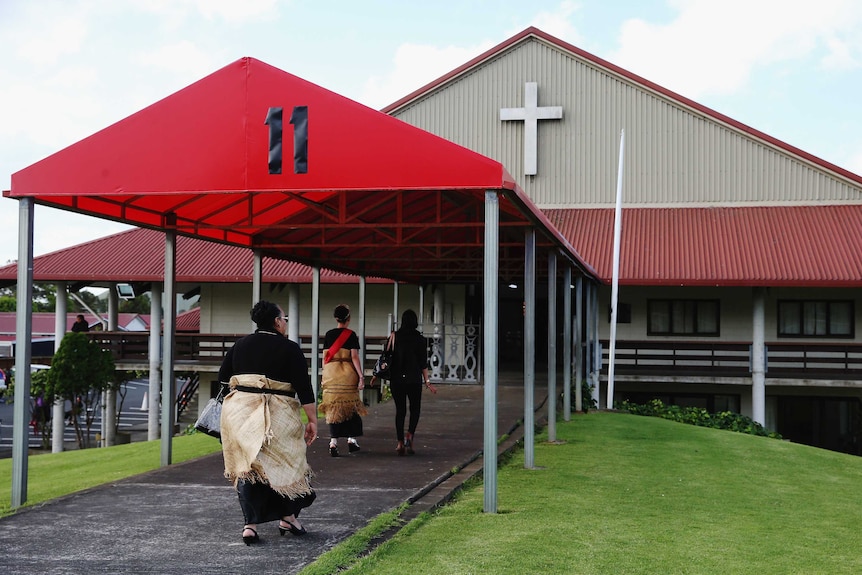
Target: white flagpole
618	227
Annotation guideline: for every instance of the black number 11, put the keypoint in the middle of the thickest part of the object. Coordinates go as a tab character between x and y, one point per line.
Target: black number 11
299	119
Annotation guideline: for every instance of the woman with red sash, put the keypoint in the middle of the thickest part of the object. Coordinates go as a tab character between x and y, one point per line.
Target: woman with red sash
342	380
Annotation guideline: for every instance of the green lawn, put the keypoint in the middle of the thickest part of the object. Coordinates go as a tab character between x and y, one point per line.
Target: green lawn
50	475
631	494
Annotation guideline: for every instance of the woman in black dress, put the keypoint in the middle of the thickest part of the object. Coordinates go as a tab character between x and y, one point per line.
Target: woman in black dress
263	439
342	380
409	373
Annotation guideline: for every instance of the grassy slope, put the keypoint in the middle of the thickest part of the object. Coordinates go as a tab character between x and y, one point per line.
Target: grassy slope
630	494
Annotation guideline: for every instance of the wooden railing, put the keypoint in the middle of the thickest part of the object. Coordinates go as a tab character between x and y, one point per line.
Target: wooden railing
205	349
732	359
633	357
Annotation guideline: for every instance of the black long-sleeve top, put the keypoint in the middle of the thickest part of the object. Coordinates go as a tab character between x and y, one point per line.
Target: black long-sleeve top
410	357
271	355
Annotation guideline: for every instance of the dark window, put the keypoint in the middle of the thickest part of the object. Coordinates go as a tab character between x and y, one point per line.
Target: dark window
683	317
624	313
816	319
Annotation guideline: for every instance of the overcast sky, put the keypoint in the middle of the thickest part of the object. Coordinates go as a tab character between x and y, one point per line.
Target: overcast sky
789	68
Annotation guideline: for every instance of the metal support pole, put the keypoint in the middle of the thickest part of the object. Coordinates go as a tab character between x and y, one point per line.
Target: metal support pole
169	383
23	352
529	347
370	397
315	327
567	343
552	346
579	343
257	279
597	349
492	287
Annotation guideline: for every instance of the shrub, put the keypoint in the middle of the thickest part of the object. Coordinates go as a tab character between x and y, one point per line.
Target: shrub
587	400
699	416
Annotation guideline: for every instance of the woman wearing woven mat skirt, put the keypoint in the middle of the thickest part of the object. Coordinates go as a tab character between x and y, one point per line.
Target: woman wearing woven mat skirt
341	381
263	438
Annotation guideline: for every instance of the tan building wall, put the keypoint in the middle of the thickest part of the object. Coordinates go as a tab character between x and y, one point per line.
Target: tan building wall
674	154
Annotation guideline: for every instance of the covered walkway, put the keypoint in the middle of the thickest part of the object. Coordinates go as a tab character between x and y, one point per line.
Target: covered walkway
185	518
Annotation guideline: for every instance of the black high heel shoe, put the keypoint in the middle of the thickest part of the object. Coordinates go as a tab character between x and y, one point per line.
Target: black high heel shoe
408	444
249	539
291	527
333	450
352	446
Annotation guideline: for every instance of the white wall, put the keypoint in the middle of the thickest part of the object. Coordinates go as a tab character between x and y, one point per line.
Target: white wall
734	304
225	307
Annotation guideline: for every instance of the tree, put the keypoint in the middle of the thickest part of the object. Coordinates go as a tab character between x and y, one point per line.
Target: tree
80	369
43	298
8	302
139	304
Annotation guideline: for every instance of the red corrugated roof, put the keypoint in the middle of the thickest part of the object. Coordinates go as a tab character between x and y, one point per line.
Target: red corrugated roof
805	246
43	323
189	321
138	255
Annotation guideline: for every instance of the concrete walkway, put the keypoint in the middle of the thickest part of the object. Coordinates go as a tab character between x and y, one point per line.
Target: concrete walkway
185	518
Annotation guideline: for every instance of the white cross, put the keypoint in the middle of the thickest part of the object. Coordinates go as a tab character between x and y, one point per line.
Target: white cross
530	114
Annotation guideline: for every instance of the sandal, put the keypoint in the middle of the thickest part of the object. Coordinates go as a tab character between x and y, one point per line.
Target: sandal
290	527
249	539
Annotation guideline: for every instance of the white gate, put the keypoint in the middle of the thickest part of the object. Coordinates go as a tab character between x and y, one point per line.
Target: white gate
454	354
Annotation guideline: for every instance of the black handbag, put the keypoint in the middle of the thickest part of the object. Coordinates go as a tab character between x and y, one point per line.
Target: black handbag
209	421
384	362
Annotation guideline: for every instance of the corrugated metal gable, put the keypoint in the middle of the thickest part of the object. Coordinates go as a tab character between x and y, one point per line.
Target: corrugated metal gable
678	152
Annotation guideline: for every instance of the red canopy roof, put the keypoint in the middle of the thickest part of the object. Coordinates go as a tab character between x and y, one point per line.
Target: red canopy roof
359	191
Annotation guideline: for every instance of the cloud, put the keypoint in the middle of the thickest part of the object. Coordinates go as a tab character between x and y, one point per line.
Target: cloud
175	13
183	59
414	66
842	55
58	37
714	47
45	112
558	22
854	162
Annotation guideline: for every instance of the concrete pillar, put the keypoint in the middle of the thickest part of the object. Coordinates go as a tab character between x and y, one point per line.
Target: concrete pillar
155	361
109	398
758	356
293	312
58	423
